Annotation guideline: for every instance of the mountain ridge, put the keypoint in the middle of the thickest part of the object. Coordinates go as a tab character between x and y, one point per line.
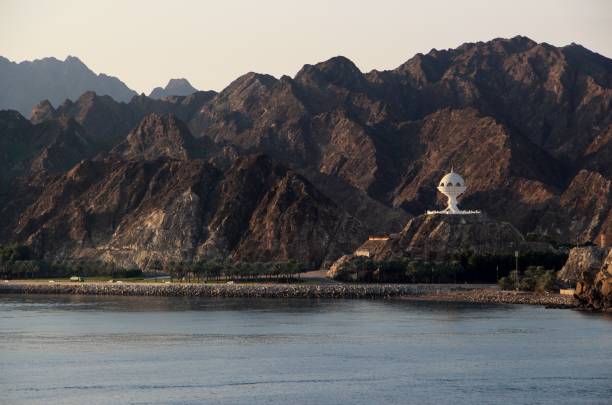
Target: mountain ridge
24	84
528	125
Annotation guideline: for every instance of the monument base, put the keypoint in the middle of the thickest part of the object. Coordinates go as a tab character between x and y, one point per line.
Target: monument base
449	212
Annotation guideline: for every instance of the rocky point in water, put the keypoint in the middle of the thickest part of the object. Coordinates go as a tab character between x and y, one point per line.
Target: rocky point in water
594	289
582	259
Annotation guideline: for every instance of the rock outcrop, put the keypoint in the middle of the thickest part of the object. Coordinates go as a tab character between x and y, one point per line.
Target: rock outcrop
440	236
594	290
582	259
159	136
53	145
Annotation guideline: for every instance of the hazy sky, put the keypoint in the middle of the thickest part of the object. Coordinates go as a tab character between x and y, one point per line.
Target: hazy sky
145	43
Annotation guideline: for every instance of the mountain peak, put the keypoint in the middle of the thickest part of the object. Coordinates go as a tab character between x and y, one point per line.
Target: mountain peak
73	60
42	112
338	70
157	135
175	87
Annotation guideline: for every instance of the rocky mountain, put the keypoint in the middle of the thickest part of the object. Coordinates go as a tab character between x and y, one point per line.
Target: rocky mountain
53	145
132	212
158	136
594	288
24	84
110	121
528	125
175	87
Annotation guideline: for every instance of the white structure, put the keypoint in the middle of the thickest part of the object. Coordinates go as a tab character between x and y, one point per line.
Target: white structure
452	186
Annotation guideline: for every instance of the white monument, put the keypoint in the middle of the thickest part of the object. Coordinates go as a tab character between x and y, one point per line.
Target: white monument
452	186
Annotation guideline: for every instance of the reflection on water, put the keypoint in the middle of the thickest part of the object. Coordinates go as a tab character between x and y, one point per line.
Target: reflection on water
76	349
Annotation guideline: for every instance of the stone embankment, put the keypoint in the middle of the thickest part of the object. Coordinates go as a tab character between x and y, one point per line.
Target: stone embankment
493	296
435	292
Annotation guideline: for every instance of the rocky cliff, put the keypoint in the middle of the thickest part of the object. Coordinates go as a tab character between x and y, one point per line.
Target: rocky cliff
159	136
150	211
594	290
582	259
53	145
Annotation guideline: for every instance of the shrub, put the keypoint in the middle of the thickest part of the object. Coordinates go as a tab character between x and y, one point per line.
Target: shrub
535	279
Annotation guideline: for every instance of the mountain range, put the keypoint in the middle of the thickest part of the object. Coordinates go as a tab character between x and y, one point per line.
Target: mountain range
25	84
22	85
306	167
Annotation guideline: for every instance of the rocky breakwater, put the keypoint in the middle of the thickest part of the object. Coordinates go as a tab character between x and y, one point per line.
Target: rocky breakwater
476	293
495	296
594	290
224	290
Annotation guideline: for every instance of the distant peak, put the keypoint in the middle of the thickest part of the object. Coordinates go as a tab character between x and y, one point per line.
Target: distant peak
338	70
248	80
175	87
522	39
74	61
45	104
339	63
178	82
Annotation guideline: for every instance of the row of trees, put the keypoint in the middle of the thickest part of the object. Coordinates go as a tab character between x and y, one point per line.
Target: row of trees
19	269
464	267
216	269
490	268
16	262
401	271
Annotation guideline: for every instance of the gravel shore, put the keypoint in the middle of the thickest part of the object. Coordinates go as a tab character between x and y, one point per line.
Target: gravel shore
433	292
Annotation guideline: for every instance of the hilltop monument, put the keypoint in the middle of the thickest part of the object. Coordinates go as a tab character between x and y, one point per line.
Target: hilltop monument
452	186
439	236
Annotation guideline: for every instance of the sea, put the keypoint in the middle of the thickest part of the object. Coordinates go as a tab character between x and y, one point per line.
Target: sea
69	349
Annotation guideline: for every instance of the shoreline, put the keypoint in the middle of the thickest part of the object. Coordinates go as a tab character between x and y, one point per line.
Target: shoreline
471	293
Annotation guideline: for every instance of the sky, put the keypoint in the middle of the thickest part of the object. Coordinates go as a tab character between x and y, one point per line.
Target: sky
211	43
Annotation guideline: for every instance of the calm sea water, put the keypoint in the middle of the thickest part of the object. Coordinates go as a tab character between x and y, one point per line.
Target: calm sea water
111	350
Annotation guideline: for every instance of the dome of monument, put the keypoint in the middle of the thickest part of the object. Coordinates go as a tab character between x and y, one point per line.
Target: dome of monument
452	179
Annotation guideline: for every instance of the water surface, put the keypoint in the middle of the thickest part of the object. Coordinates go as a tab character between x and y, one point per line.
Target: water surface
143	350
